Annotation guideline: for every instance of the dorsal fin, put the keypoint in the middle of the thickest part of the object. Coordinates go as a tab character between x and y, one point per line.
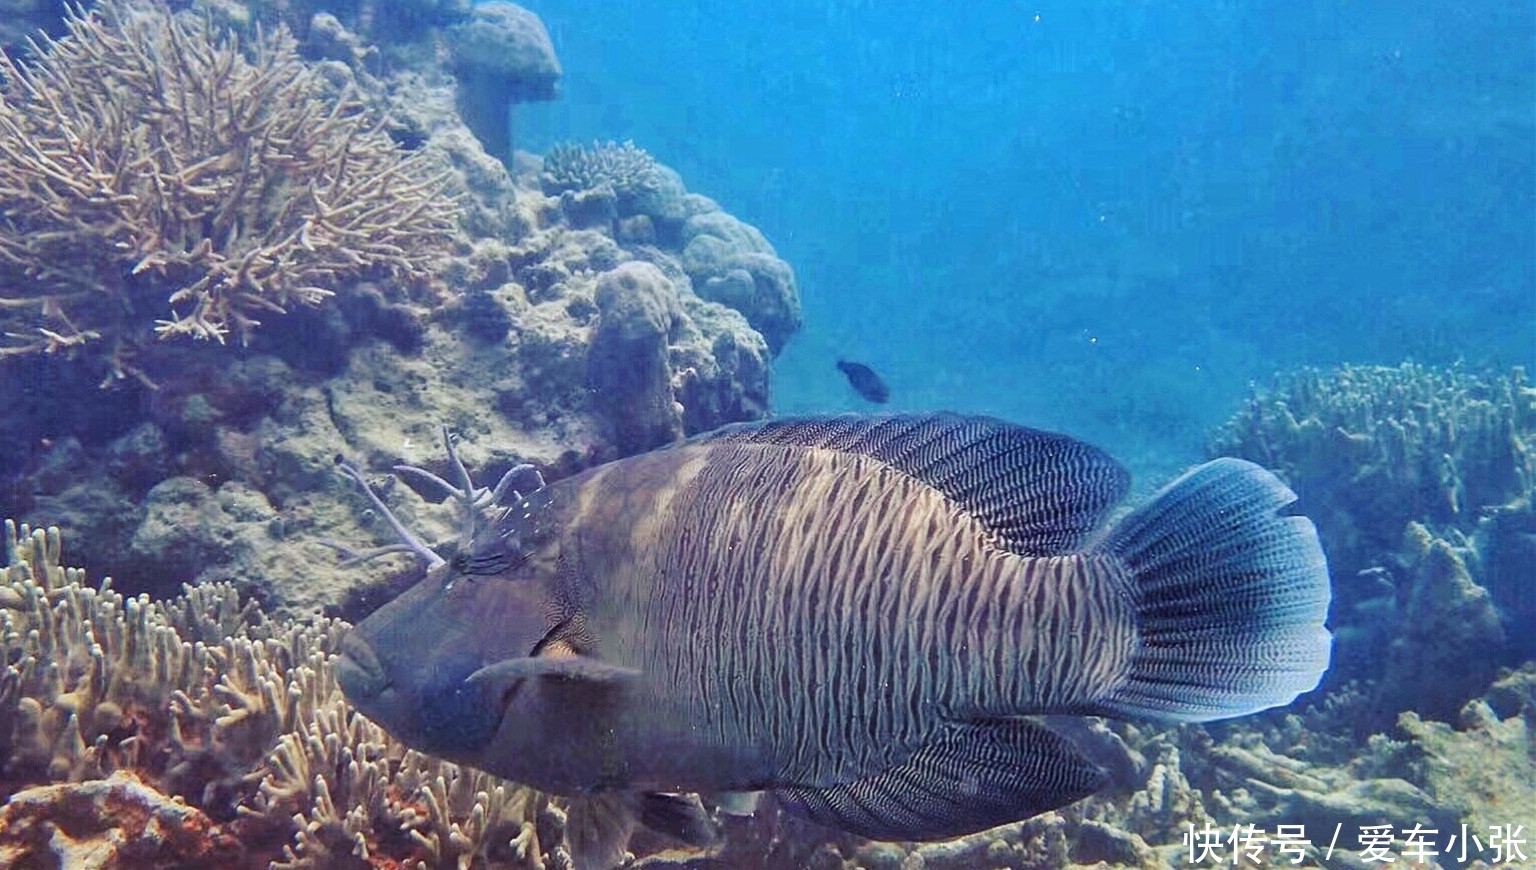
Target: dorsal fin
1042	493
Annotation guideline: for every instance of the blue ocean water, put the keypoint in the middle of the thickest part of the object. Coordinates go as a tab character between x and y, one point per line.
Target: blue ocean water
1105	217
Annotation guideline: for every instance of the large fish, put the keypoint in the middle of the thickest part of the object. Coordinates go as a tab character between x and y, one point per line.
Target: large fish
852	613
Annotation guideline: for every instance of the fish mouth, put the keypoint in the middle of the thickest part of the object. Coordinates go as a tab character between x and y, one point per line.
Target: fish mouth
358	670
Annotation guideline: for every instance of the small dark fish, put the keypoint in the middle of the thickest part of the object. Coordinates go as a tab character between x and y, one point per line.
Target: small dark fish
853	613
865	381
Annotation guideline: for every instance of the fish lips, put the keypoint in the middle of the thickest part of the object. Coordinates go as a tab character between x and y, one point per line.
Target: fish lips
359	672
436	709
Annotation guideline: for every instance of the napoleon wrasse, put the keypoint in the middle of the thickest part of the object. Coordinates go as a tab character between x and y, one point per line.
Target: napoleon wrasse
852	613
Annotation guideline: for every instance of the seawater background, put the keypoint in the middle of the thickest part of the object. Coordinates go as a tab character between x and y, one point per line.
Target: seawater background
1104	217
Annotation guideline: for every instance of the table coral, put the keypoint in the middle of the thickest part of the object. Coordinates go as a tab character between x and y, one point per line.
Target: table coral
502	55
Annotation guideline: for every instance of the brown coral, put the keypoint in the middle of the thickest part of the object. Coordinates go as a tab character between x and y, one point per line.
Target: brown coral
151	167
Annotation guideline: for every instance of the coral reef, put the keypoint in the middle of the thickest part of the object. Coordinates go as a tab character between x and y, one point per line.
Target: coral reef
157	179
1421	482
378	22
1371	448
501	55
222	472
488	55
197	732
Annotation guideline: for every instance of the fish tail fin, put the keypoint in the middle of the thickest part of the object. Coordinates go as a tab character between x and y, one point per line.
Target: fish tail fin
1232	593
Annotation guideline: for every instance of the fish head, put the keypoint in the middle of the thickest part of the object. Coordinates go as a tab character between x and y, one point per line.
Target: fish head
408	666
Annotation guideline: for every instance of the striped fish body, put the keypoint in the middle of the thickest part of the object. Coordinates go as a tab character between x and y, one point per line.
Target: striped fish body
853	613
815	616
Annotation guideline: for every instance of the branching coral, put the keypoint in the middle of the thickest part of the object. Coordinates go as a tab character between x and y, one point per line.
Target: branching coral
98	682
147	161
204	700
628	170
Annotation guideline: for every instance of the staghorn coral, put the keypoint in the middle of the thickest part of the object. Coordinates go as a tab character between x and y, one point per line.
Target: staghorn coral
193	692
359	799
158	179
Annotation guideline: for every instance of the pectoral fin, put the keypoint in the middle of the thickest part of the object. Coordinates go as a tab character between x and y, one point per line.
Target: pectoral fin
976	776
507	672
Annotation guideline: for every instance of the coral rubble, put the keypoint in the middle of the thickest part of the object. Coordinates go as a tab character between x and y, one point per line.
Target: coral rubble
116	822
